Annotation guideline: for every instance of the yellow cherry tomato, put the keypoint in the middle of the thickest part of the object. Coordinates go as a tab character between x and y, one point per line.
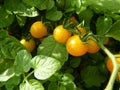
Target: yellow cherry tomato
110	64
75	46
28	44
92	46
38	29
61	34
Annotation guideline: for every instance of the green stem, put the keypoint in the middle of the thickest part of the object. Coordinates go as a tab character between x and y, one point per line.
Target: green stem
25	78
115	69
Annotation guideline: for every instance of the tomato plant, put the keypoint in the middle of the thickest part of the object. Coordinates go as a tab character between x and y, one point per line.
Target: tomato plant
65	44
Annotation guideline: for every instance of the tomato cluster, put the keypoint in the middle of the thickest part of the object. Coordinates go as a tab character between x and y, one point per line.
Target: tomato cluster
37	30
74	44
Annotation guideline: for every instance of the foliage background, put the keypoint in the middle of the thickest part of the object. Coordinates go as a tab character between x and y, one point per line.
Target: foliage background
50	67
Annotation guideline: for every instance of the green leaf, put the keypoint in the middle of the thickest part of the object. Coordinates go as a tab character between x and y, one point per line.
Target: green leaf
5	64
96	57
56	77
52	86
115	16
53	14
10	46
12	82
7	74
78	6
75	5
41	4
72	6
22	62
67	77
75	62
5	18
51	48
3	34
69	86
103	25
32	84
103	5
60	4
20	8
67	81
45	66
62	87
21	20
1	84
114	31
86	16
92	77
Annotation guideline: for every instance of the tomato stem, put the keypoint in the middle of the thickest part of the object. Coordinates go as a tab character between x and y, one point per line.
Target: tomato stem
115	69
25	77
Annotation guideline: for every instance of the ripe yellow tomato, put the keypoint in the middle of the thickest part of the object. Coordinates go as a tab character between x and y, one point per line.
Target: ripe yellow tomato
38	29
28	44
61	34
110	64
92	46
75	46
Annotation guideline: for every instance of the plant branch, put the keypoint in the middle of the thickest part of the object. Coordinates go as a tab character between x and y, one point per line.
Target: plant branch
115	69
25	78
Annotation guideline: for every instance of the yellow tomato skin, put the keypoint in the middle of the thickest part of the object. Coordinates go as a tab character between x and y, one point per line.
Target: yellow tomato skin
110	64
61	34
75	46
29	45
110	67
38	29
92	46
